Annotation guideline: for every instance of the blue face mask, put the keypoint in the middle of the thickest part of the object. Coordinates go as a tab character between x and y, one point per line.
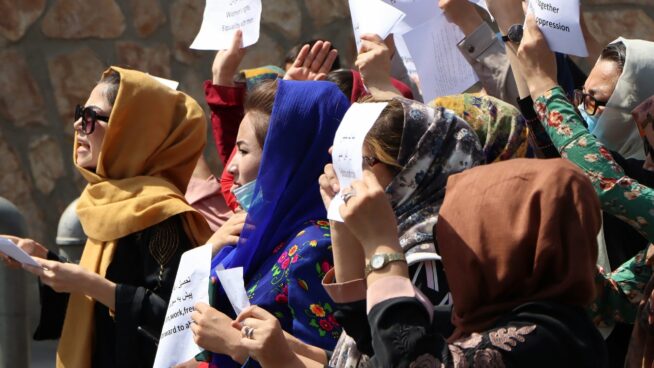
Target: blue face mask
591	121
244	194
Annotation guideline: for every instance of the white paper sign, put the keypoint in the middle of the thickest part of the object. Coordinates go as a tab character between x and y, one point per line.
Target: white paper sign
191	286
232	282
559	22
441	67
222	18
373	16
10	249
417	12
347	155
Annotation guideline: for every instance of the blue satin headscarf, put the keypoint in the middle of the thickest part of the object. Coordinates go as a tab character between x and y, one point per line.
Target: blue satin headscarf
303	123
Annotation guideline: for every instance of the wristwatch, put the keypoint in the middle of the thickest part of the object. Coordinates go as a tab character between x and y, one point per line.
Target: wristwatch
514	34
379	261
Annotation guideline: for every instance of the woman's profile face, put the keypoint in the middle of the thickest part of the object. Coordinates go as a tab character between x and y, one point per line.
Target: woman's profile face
602	80
246	161
89	145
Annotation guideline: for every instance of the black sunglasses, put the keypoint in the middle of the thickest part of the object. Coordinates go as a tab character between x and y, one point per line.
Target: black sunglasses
89	117
591	104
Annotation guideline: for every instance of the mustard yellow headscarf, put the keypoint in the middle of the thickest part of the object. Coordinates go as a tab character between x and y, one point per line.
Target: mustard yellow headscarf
154	139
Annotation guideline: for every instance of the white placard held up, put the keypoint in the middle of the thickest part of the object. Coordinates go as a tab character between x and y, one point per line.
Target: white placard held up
191	286
441	67
417	12
10	249
347	155
232	282
559	21
222	18
373	16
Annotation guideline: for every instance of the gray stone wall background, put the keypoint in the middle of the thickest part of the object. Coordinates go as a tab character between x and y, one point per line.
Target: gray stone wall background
53	51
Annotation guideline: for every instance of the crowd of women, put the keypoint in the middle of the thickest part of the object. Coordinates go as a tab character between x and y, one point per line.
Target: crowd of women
509	227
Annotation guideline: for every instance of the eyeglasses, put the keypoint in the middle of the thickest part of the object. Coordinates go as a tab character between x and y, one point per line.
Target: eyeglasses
370	161
89	117
591	104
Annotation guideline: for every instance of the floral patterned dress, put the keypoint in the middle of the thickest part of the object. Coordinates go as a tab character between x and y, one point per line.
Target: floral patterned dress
619	291
288	285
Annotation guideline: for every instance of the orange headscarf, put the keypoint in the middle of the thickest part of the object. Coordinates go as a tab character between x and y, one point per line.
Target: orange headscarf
515	232
154	139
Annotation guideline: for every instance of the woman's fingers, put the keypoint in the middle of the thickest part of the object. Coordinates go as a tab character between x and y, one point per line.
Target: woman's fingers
321	56
312	54
254	311
237	41
329	61
301	56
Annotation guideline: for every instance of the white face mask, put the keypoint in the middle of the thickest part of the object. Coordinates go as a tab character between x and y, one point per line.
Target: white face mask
244	194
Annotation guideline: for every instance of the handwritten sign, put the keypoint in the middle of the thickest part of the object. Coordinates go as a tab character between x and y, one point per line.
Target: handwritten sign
347	154
441	67
10	249
232	282
191	286
222	18
560	24
373	16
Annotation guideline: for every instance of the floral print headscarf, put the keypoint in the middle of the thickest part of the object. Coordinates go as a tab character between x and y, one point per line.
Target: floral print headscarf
435	144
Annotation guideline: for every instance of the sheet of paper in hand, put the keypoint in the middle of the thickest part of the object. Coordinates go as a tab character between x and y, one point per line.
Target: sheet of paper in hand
560	23
222	18
232	282
373	16
191	286
10	249
441	67
347	152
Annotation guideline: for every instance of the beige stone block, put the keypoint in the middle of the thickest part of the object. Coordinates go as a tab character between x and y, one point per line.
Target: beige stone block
283	15
46	162
147	16
18	16
73	76
323	12
154	60
607	25
74	19
265	52
185	21
15	186
21	101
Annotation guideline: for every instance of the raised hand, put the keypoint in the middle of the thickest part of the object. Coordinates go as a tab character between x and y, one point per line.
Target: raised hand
312	63
462	13
536	59
226	62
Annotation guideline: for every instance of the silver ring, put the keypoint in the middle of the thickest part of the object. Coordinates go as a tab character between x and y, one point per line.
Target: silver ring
347	196
247	332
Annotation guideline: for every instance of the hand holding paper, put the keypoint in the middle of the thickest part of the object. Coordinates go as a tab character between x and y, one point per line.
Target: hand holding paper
373	16
9	249
222	18
347	153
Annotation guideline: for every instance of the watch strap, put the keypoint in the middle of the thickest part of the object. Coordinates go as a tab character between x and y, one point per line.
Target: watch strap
388	258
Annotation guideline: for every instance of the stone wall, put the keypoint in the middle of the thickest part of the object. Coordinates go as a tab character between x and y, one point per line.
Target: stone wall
52	52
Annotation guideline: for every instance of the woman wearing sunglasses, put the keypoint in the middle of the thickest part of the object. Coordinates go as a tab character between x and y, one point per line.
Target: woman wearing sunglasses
136	143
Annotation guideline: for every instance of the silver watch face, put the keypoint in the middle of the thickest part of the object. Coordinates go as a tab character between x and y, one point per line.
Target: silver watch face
377	261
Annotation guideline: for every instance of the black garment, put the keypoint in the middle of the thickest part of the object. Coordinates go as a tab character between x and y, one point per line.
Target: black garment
143	267
539	334
428	277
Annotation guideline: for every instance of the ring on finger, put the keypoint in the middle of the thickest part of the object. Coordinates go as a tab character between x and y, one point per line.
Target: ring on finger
247	332
347	196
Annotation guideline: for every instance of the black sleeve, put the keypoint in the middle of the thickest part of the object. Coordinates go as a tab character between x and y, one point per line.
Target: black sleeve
142	298
533	335
53	309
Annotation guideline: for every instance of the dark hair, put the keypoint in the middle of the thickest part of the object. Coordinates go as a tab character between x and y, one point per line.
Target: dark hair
291	55
112	80
259	102
385	137
343	79
616	52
